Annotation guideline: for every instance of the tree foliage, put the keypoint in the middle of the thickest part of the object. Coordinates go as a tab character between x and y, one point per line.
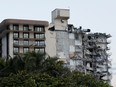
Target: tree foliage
37	70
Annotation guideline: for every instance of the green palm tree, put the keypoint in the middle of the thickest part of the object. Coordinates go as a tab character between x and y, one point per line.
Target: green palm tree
55	67
33	60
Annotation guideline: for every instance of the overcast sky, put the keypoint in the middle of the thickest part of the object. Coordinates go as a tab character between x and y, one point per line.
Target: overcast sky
98	15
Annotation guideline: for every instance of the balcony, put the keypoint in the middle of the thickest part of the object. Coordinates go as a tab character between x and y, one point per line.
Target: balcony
103	42
108	62
92	40
108	36
74	56
108	42
108	54
99	70
26	31
89	69
99	48
78	47
16	44
106	77
88	53
108	48
15	37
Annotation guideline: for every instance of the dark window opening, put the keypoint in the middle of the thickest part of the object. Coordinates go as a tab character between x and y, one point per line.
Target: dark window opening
90	43
25	35
76	36
39	28
89	37
25	42
26	27
39	36
16	42
41	50
91	50
16	35
40	43
25	49
90	64
8	27
16	50
15	27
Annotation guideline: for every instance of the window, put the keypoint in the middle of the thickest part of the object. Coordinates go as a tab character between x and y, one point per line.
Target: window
26	35
16	49
39	28
42	43
26	42
41	50
25	27
8	27
16	42
15	27
39	43
16	35
40	36
36	50
89	37
36	35
25	50
77	36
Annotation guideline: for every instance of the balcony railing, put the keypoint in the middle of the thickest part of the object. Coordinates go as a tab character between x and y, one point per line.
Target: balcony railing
108	36
16	44
108	48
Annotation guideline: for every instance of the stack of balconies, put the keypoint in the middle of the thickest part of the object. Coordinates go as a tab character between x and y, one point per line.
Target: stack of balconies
95	49
94	56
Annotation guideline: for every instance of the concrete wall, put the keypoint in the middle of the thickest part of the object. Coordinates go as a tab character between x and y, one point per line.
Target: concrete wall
60	13
50	43
10	44
4	46
62	45
60	42
56	41
59	25
11	27
59	18
21	27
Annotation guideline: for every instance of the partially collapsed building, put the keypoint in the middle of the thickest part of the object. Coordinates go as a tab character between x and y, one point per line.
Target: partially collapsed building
80	49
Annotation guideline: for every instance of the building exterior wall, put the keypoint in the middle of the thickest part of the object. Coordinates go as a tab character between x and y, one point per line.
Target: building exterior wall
50	43
4	47
62	45
19	35
10	44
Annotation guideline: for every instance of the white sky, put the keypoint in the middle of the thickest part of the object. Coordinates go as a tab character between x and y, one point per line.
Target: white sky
98	15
